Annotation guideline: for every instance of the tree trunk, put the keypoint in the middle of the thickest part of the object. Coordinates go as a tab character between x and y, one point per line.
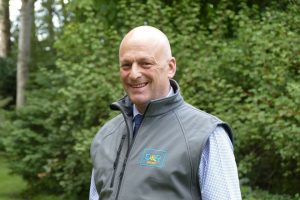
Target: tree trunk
24	49
49	19
4	28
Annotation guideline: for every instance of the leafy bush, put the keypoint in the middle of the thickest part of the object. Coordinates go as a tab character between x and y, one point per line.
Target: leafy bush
50	137
257	194
7	91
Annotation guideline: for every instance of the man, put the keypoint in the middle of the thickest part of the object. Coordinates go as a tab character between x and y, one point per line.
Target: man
159	147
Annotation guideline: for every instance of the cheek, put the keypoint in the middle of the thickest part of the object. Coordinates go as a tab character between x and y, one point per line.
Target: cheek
123	75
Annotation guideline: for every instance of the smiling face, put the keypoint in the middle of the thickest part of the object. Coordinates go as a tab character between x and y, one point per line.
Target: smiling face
146	65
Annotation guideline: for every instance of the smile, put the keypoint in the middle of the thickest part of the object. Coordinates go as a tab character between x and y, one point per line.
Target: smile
140	85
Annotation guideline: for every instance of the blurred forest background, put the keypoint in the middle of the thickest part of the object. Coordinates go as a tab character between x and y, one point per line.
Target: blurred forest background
239	60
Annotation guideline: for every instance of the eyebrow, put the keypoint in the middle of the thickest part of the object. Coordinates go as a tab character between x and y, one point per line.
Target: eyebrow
143	59
148	59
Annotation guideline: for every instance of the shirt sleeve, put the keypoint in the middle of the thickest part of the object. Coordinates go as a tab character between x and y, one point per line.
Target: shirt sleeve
218	174
93	191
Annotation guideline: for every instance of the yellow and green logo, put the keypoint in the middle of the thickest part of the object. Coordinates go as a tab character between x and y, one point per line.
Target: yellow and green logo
153	158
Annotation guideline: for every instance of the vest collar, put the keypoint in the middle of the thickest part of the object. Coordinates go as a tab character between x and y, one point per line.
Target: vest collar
155	107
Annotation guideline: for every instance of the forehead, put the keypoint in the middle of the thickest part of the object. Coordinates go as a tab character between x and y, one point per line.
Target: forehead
136	49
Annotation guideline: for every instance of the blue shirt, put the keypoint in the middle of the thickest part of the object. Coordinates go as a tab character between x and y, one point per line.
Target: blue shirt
218	174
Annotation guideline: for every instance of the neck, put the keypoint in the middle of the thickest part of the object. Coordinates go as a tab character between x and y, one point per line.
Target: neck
141	108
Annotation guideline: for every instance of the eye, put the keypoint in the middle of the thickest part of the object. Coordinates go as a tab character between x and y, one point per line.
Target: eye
146	64
126	66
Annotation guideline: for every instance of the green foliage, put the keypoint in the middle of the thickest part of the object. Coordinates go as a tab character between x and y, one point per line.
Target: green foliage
7	90
13	187
10	185
50	137
252	81
250	194
238	61
29	130
7	82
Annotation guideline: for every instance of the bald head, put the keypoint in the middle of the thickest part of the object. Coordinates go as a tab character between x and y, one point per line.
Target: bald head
149	36
146	65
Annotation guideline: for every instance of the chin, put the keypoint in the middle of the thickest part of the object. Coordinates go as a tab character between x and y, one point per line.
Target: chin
138	101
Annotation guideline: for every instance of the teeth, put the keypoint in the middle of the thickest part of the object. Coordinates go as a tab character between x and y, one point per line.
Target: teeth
139	85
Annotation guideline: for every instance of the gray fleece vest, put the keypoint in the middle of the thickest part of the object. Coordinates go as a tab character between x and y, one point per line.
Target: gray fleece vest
161	162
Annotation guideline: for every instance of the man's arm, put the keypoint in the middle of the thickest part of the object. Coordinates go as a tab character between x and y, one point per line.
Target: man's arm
93	191
218	174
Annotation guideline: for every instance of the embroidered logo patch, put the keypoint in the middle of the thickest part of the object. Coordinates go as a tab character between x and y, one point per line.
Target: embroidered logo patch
153	158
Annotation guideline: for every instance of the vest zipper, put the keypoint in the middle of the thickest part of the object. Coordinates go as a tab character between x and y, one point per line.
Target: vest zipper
124	164
116	162
122	172
127	155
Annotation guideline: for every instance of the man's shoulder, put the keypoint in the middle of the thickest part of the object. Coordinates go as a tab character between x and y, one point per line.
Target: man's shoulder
110	126
194	112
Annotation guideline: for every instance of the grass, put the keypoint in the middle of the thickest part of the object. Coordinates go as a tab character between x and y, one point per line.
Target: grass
12	187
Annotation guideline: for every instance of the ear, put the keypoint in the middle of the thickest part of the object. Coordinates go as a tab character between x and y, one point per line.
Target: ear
171	67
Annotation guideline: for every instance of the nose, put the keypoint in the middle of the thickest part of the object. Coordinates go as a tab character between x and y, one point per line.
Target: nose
135	71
